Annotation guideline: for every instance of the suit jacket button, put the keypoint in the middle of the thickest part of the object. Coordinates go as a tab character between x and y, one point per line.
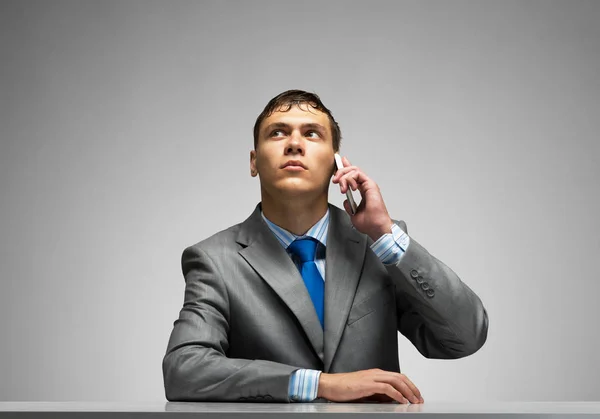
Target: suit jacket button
419	280
425	286
430	293
268	397
414	273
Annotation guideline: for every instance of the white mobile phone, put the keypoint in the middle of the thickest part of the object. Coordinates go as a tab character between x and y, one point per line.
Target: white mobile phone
340	165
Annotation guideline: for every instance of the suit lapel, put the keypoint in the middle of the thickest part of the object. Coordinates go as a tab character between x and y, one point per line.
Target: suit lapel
270	260
344	258
345	254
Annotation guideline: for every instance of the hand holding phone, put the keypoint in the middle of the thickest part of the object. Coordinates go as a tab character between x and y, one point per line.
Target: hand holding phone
340	165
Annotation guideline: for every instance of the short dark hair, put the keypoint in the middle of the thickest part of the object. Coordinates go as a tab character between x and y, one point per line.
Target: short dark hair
284	102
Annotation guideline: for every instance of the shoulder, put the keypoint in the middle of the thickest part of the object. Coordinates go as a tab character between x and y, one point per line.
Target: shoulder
217	245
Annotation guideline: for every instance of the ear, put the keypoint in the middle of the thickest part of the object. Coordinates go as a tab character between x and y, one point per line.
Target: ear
334	166
253	171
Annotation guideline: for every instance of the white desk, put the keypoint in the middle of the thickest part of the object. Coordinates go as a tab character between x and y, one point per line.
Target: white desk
495	410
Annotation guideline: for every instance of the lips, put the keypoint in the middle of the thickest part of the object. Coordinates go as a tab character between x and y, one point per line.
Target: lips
294	163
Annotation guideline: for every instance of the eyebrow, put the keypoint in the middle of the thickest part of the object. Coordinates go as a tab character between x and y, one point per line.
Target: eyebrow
312	125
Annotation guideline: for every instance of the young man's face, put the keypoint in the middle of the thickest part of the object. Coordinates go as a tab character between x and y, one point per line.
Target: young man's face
302	134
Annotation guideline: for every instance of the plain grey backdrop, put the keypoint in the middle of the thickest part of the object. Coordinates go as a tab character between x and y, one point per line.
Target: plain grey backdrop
126	130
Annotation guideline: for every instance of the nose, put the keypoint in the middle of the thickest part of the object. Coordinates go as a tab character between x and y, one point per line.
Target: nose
294	145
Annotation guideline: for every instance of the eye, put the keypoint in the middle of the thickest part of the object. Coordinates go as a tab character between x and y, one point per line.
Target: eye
275	131
313	132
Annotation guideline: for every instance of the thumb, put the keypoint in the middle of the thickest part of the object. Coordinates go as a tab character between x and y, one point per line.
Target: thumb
347	207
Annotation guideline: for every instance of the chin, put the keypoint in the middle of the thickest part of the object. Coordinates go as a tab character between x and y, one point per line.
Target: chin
293	189
295	192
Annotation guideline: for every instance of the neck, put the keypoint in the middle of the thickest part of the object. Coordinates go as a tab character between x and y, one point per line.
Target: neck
295	214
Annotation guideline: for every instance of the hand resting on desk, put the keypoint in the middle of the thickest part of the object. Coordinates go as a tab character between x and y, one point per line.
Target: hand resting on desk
368	385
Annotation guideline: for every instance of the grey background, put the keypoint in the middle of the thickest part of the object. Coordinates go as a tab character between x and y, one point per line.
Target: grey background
126	128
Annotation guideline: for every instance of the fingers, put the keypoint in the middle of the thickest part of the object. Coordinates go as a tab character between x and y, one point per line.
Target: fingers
369	385
413	387
351	177
402	384
391	392
349	181
347	167
343	171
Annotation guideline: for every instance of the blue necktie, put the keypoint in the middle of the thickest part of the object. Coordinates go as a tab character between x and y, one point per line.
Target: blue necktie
305	250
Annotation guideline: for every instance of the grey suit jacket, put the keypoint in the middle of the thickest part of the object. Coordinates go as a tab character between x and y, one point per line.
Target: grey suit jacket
248	323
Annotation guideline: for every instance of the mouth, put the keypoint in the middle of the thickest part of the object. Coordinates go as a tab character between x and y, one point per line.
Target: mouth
294	165
294	168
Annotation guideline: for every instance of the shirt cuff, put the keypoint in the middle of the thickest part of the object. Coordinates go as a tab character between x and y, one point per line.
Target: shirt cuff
304	385
390	247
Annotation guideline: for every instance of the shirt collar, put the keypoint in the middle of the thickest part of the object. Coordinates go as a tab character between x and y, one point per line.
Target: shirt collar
317	231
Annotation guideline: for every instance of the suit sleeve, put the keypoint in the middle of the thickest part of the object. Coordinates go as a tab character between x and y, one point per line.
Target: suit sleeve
196	366
437	312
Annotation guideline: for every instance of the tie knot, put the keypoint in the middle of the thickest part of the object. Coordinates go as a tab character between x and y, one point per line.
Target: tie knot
304	249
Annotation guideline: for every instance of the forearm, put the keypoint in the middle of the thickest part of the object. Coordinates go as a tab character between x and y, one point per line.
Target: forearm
433	297
196	366
193	373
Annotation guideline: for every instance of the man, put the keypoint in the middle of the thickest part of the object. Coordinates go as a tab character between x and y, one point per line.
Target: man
303	301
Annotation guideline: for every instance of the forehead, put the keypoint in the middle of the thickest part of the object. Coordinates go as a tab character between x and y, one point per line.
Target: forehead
297	116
